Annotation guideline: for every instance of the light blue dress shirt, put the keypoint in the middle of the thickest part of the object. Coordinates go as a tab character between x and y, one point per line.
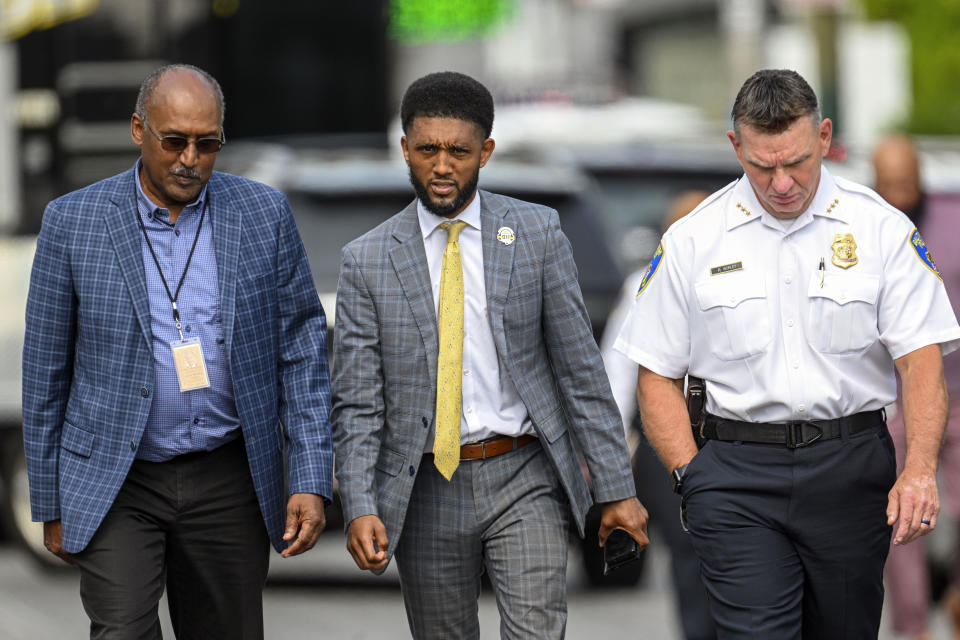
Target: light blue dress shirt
202	419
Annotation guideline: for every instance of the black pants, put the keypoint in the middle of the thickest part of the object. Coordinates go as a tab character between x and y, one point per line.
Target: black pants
792	542
193	523
663	505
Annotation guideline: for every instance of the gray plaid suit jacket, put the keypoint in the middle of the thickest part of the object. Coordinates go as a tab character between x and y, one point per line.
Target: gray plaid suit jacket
88	371
385	360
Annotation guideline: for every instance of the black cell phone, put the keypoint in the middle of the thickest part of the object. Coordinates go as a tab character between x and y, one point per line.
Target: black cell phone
620	549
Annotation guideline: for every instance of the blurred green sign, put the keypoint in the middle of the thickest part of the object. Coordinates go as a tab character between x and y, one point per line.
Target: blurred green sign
419	21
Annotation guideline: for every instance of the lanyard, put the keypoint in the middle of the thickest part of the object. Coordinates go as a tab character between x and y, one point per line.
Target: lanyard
173	296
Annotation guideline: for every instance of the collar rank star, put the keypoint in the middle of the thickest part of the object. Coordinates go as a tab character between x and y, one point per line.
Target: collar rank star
844	250
505	235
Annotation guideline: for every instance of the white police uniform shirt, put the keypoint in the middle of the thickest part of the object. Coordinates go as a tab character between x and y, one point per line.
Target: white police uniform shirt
736	299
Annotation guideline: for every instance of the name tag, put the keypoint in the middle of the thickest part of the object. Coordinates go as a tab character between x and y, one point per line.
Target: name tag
726	268
191	367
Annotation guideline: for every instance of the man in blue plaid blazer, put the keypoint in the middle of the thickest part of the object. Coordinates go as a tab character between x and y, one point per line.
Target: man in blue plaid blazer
174	367
533	390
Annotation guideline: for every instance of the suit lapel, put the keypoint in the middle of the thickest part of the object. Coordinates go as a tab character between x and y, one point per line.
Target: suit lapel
410	264
226	223
121	223
497	263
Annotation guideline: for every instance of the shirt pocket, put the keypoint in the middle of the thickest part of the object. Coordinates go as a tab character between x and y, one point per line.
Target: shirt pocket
842	312
735	314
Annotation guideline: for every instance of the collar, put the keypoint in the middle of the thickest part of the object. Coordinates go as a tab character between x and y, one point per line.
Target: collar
430	221
745	207
148	206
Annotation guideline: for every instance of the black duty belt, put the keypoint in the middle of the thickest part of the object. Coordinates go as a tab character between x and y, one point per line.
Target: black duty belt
794	435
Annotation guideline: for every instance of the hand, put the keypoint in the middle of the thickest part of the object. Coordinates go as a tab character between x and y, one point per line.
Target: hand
913	498
362	533
304	513
53	541
628	515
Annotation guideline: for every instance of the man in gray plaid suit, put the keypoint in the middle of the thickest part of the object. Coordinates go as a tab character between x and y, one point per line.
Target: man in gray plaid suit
172	325
520	374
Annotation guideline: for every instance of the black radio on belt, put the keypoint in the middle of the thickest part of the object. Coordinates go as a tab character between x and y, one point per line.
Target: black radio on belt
696	407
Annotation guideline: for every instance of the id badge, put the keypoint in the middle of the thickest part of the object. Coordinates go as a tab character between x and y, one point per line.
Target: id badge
191	368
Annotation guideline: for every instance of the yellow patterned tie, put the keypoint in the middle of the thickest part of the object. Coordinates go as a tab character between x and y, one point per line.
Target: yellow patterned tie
446	444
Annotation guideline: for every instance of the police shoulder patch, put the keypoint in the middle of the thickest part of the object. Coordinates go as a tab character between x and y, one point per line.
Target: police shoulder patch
651	269
923	252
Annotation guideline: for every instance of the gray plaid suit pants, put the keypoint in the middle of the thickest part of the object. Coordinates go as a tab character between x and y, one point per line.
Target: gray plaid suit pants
507	514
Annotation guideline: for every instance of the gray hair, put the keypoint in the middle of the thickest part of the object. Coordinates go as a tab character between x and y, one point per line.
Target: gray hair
150	83
773	99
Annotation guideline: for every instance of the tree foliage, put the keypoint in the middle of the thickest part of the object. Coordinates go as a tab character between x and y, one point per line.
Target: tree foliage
934	30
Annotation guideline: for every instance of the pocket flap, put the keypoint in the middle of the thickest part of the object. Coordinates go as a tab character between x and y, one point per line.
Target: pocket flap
553	426
76	440
390	462
729	290
845	287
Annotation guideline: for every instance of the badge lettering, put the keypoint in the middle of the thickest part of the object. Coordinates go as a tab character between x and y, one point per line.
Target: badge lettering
726	268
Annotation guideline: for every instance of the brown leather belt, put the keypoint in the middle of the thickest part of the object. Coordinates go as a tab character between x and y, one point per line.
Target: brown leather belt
495	447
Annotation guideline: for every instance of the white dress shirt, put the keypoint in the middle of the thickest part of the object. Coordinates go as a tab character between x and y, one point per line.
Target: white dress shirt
741	302
491	404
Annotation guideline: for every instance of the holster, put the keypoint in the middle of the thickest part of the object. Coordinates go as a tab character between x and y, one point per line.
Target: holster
696	408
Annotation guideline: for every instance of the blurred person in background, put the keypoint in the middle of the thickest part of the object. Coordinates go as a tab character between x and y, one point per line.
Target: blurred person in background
897	173
464	370
794	295
653	488
172	325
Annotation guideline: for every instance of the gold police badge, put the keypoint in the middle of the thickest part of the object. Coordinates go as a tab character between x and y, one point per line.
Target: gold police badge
844	250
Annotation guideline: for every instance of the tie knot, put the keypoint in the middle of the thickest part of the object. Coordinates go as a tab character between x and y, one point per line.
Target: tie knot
453	230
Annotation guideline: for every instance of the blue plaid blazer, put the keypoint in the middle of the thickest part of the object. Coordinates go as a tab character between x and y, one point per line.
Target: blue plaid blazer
385	360
88	374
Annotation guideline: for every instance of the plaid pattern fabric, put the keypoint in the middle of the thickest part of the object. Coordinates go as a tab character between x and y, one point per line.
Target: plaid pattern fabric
385	359
88	370
202	419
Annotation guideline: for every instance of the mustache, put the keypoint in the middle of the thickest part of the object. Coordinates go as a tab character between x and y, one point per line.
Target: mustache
184	172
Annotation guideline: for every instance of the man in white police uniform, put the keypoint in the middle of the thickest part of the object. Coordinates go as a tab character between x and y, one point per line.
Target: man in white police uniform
794	295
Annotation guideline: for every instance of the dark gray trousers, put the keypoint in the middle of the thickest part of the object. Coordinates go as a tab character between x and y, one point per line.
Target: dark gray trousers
192	524
508	515
663	505
792	542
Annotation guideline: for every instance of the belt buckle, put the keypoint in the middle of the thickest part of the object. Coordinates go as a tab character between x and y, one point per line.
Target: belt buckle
795	434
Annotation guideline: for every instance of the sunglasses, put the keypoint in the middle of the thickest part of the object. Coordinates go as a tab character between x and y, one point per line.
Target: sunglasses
178	143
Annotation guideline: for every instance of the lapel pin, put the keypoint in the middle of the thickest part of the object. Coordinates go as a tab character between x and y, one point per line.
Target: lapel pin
505	235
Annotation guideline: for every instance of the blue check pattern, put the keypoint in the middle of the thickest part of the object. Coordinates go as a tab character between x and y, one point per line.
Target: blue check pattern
202	419
89	375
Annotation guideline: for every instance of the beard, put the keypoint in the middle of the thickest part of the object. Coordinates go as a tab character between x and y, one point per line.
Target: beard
464	193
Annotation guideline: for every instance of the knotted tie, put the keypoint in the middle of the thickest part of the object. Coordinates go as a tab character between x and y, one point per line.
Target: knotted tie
446	444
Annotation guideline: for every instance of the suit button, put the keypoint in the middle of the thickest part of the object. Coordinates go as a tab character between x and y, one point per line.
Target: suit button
412	470
144	392
133	446
424	421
